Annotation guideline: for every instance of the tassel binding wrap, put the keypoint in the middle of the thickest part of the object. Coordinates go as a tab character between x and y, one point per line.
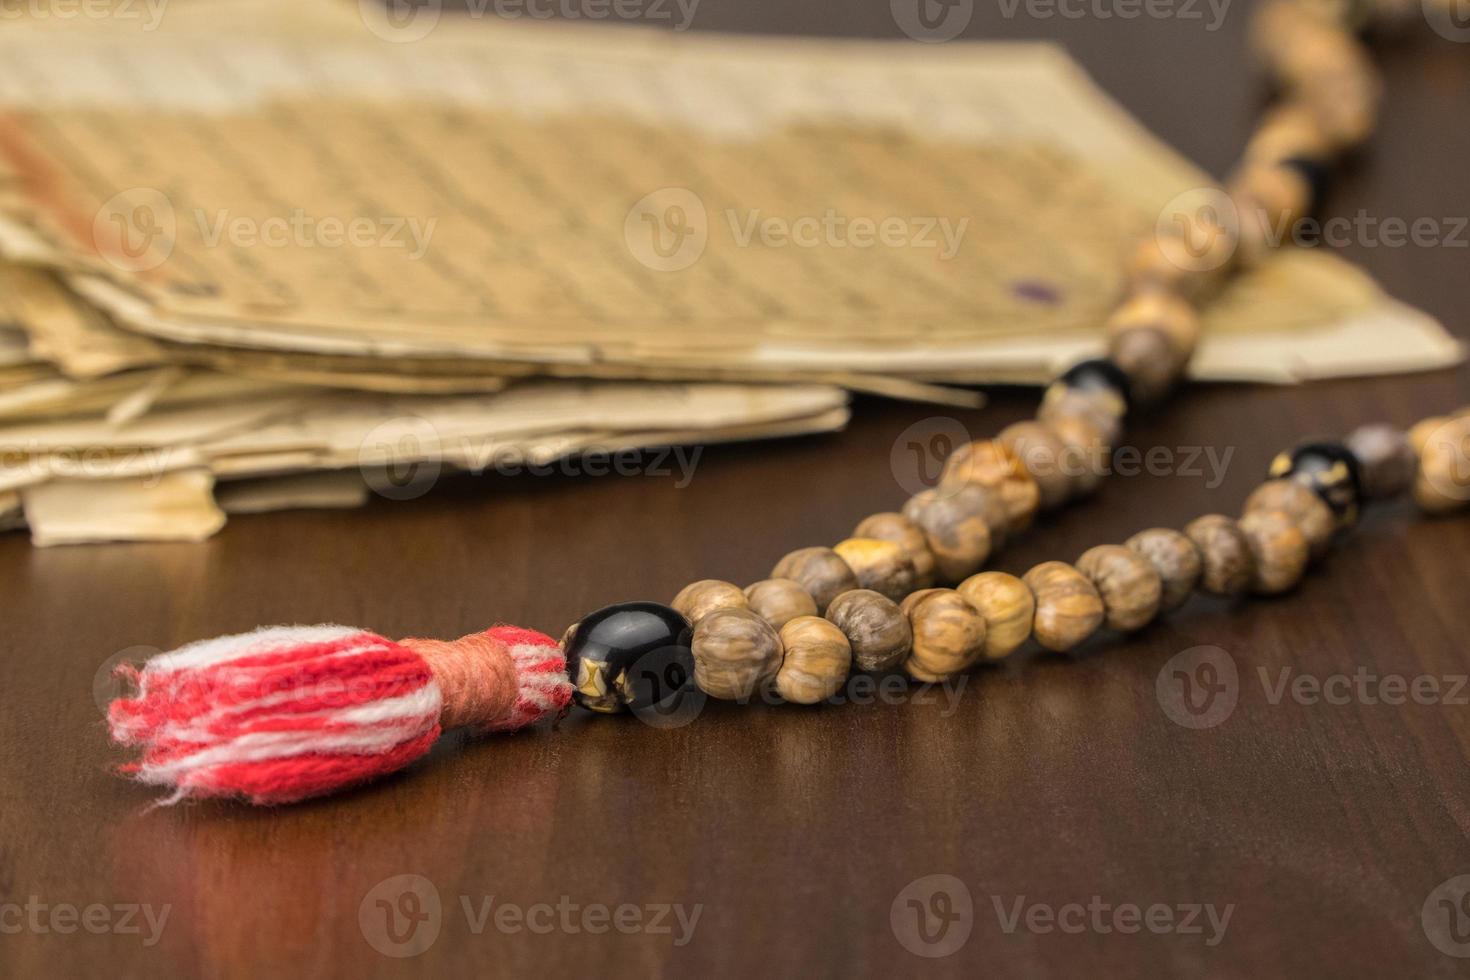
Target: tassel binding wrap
291	712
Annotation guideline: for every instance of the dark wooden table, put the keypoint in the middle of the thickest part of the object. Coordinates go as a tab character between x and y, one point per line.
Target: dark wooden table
1324	829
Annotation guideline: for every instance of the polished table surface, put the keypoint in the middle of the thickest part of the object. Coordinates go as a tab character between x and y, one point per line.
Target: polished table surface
1076	827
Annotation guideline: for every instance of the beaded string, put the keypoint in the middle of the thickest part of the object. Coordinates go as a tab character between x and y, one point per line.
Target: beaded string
827	611
286	713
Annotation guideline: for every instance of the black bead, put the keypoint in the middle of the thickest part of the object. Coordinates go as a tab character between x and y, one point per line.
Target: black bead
1330	469
630	655
1096	373
1318	176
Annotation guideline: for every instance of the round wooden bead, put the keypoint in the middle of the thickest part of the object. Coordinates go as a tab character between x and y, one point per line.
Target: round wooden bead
1227	565
1199	238
735	652
1302	505
1008	607
1153	362
1344	90
1068	607
875	627
1087	453
1130	587
1442	481
893	526
779	600
1172	261
879	565
1386	460
821	571
1041	453
1161	310
1101	407
955	524
990	464
816	661
949	634
958	501
1175	558
698	599
1278	548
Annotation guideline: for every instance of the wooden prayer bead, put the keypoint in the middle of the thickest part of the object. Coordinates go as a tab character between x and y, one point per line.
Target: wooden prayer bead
816	661
1442	481
1153	361
1154	265
821	571
1068	607
1278	548
1130	587
1304	507
1041	453
892	526
1386	460
879	565
875	627
1103	409
1227	565
1199	237
1087	453
1166	312
1175	558
949	634
1344	96
779	600
698	599
1298	44
954	520
735	652
988	463
1008	607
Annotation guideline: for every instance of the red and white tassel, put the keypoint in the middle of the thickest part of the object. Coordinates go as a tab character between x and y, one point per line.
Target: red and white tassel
290	712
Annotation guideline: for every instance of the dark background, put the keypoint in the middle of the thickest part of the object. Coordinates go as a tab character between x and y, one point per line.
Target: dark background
1057	778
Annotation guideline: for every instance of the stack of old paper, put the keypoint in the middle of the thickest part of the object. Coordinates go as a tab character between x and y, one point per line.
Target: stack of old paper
265	238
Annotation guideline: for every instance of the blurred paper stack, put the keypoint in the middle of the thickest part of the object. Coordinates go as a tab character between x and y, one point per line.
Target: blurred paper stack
265	251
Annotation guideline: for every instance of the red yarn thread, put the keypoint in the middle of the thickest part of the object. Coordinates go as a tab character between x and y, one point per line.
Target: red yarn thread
290	712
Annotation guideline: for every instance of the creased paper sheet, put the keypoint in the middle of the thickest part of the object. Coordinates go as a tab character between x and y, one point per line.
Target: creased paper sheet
181	492
318	430
604	201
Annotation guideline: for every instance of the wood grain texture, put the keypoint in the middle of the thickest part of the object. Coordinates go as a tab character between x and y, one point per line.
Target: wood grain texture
1052	777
